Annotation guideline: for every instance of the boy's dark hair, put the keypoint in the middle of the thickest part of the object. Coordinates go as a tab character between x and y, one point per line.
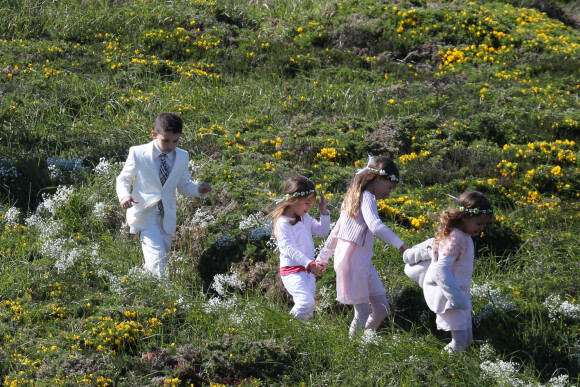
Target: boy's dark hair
168	123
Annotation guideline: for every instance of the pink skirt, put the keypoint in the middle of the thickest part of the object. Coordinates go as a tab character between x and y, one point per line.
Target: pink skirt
455	319
356	277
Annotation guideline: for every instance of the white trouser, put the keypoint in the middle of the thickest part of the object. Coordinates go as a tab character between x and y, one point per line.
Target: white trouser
302	288
156	243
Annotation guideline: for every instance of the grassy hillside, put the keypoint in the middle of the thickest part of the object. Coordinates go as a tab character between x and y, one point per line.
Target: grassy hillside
461	94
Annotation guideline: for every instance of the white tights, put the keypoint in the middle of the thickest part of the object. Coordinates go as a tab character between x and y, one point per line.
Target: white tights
460	340
364	319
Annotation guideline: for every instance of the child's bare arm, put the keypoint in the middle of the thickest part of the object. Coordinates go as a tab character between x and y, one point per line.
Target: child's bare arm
322	205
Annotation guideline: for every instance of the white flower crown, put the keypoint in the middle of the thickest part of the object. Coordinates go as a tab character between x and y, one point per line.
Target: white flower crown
475	210
300	194
382	172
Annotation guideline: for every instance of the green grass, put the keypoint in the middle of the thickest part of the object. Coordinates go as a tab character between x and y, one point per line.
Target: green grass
461	94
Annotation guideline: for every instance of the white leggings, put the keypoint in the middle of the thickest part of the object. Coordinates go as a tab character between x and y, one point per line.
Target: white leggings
460	340
364	319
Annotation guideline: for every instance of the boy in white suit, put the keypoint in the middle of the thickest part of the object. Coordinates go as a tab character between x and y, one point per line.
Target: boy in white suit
155	171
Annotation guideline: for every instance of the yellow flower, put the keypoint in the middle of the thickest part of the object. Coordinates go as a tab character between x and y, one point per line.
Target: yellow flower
556	171
327	154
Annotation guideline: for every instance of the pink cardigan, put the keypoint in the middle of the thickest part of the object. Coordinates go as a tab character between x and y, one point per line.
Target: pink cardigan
355	229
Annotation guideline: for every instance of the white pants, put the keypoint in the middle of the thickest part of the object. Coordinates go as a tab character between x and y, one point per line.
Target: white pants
155	243
302	288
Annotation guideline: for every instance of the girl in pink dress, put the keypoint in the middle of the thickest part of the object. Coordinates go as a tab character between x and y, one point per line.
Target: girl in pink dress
448	278
352	240
293	229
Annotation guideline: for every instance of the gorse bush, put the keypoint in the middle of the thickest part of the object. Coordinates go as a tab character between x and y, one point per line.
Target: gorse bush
462	95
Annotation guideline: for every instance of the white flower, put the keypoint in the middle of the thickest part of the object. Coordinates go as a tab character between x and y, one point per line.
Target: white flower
486	351
485	291
564	309
136	275
493	296
504	373
11	216
394	340
65	253
252	220
216	304
558	381
103	167
54	172
326	298
193	168
57	165
199	220
370	337
100	210
412	359
70	164
248	315
221	282
272	244
48	228
52	203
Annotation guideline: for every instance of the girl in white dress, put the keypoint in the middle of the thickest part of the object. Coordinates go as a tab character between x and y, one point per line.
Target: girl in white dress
352	239
446	286
293	229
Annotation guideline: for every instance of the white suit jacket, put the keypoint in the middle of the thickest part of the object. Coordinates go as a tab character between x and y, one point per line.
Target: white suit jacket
141	173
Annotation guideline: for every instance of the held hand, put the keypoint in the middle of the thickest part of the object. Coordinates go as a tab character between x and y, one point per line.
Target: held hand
127	202
322	265
204	188
314	268
322	205
403	248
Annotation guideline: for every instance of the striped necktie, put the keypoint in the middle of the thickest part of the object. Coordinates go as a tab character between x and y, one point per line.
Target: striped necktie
163	174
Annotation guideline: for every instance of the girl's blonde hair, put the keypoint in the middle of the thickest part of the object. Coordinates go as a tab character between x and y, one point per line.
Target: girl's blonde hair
379	167
295	188
470	203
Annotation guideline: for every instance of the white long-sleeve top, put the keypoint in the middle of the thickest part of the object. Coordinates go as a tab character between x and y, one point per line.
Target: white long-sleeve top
295	241
355	230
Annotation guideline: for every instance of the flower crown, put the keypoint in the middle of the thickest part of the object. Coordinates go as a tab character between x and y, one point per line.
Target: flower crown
299	194
475	210
382	172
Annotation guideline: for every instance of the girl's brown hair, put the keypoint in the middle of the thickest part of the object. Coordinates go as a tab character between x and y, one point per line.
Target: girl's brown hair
475	201
361	181
295	188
